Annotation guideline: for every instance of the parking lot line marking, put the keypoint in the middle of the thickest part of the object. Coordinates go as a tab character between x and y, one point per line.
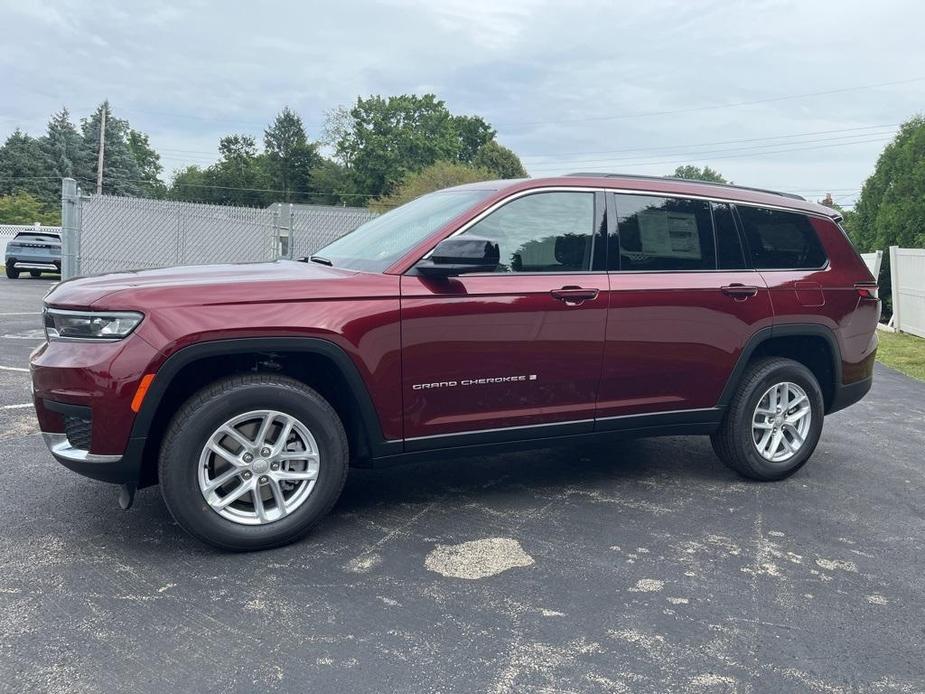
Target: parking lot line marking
13	368
21	313
15	407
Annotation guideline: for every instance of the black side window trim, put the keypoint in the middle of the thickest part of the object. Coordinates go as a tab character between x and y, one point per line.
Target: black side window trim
740	233
599	234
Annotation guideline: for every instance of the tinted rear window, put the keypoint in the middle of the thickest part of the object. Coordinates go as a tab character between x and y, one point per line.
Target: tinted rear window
781	240
27	237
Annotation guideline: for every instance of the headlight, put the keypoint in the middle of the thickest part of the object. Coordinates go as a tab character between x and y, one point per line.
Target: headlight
90	325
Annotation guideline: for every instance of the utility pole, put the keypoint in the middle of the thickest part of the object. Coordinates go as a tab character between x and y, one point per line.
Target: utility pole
99	161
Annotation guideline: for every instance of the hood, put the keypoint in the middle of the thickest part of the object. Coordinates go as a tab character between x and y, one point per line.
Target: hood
203	285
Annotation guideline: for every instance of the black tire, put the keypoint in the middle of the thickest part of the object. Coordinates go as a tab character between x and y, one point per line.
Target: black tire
734	442
11	272
35	273
215	404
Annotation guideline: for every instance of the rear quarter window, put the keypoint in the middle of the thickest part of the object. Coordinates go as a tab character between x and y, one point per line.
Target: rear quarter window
780	240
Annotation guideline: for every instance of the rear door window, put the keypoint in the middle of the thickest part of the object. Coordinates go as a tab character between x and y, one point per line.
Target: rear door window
779	240
661	234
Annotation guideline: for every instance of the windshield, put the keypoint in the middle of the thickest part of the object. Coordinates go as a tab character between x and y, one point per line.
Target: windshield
381	241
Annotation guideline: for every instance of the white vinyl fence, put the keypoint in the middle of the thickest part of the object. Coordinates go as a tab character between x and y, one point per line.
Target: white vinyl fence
907	272
8	231
873	261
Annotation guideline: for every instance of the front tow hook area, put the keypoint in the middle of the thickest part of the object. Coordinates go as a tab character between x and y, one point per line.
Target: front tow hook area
127	495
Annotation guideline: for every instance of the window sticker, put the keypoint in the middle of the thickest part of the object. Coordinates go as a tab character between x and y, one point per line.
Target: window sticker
665	234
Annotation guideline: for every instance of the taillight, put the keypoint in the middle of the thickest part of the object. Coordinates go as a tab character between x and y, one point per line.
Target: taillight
868	290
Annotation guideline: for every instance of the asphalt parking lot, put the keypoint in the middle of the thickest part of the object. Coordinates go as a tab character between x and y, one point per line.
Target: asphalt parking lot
647	566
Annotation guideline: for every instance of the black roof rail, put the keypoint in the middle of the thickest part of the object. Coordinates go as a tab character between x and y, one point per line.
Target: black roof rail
643	177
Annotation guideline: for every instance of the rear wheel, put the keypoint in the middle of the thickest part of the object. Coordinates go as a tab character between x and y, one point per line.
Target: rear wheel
253	462
774	421
11	272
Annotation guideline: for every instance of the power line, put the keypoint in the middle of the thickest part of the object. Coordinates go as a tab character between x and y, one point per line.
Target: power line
741	154
842	139
721	142
713	107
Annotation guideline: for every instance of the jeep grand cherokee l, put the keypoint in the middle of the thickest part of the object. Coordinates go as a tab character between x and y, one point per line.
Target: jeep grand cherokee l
494	315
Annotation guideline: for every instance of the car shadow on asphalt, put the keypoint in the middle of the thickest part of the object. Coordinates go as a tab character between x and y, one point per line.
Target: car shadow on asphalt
686	460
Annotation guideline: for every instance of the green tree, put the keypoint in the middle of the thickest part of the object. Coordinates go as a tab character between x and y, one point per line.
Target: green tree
22	167
290	157
332	184
382	140
891	208
149	162
190	184
499	160
695	173
121	173
439	175
238	178
473	133
23	208
65	154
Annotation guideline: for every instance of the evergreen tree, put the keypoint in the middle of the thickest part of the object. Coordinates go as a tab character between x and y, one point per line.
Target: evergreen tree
65	153
22	167
290	157
148	160
121	173
891	209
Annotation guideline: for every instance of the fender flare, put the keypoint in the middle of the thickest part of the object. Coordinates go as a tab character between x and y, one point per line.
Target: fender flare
172	366
782	330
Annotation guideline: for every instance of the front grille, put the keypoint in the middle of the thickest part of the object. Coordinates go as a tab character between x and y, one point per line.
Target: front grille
78	432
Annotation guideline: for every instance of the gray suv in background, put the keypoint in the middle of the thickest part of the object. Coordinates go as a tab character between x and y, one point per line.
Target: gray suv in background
35	252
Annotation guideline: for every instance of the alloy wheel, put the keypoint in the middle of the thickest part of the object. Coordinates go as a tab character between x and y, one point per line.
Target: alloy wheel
781	422
258	467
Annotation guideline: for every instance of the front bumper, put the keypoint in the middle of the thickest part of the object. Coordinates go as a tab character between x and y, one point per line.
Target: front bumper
82	392
117	469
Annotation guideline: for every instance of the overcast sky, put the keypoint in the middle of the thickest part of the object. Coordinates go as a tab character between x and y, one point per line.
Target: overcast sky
574	85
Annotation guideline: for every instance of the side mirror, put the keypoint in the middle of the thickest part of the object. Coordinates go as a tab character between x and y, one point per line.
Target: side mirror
460	254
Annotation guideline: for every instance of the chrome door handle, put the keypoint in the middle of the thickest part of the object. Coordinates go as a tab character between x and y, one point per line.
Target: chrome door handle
739	292
574	296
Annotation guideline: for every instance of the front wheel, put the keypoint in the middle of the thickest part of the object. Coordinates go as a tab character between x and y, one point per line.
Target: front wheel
774	421
11	272
253	462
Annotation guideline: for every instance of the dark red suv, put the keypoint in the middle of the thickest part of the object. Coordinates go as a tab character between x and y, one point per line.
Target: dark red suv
491	315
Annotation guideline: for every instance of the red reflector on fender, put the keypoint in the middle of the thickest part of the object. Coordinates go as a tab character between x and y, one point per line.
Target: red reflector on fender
143	386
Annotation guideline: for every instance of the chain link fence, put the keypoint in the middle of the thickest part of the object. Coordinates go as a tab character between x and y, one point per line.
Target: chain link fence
104	233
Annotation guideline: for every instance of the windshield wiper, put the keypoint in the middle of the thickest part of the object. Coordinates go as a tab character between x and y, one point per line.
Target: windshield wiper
321	260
